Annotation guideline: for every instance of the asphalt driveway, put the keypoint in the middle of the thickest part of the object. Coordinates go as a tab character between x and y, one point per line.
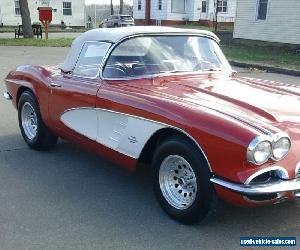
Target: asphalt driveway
68	198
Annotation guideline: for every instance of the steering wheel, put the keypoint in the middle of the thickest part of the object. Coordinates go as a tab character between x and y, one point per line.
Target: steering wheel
204	65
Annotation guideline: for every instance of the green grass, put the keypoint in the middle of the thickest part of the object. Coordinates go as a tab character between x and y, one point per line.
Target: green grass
5	29
57	42
195	26
267	56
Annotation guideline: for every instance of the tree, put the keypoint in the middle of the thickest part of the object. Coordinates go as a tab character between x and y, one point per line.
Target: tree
121	7
26	20
111	8
216	15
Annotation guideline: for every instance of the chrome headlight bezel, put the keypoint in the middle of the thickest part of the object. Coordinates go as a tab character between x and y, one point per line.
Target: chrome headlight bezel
253	147
272	140
276	139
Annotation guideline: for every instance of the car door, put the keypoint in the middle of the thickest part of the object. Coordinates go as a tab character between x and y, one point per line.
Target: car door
77	90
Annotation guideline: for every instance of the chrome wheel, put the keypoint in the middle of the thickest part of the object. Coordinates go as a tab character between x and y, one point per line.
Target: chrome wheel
178	182
29	120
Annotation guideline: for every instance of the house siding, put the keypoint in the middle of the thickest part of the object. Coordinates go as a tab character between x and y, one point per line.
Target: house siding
192	13
77	18
138	14
281	24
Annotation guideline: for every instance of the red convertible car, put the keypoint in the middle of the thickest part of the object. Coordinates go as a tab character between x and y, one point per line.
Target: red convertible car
167	97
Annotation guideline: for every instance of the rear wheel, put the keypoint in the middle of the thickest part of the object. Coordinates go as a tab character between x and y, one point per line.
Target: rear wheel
182	180
33	129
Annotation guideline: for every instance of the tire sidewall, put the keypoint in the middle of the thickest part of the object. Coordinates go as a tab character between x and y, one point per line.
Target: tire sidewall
29	97
202	203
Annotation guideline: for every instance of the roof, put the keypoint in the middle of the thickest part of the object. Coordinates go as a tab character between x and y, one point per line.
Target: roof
114	35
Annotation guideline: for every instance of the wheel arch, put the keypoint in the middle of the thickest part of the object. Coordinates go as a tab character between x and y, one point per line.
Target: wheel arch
20	91
161	135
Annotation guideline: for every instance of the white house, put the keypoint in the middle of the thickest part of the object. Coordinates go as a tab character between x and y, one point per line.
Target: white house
268	20
72	12
168	12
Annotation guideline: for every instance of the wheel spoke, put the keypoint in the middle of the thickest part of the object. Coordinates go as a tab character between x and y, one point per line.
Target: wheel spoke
29	120
178	182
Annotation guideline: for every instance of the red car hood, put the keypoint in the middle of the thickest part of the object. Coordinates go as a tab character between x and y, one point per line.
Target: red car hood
266	104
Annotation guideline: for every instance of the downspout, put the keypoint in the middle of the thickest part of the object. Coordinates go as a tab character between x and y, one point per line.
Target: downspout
148	12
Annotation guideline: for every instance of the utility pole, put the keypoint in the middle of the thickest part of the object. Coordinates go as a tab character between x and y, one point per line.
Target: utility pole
95	21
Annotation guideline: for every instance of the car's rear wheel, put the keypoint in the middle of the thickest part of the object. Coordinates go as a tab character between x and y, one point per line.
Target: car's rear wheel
33	129
182	180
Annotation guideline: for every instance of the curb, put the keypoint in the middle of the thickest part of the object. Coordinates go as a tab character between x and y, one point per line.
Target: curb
267	68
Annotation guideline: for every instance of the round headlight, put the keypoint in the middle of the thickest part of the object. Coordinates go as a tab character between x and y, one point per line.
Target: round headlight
281	148
262	152
259	150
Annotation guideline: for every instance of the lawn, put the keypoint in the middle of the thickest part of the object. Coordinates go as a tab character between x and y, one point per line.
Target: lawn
57	42
262	55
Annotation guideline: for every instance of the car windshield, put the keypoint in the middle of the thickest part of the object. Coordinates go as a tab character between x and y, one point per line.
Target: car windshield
126	18
165	54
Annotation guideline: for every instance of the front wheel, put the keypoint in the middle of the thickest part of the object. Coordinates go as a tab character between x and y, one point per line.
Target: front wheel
33	129
182	180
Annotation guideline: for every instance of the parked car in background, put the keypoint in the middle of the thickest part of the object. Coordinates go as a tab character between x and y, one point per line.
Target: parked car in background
167	97
117	21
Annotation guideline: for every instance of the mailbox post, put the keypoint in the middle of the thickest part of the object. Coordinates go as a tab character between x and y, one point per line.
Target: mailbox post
45	16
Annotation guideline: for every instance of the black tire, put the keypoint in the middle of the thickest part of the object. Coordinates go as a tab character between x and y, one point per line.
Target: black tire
116	25
44	139
202	205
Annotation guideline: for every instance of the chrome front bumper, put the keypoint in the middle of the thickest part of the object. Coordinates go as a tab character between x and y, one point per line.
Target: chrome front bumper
278	186
7	96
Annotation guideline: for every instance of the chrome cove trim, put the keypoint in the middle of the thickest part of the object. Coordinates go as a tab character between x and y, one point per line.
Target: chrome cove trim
142	118
284	175
278	186
7	96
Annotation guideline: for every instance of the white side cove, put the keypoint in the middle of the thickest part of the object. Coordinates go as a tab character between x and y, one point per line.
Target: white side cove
122	132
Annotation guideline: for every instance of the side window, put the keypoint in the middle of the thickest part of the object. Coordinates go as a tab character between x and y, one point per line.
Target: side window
90	59
262	9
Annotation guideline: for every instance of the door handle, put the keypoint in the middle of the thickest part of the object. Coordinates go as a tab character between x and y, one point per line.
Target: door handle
55	85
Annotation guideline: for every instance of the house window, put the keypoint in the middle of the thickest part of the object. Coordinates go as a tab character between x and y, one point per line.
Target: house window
159	4
178	6
222	6
139	4
67	8
17	8
204	7
262	9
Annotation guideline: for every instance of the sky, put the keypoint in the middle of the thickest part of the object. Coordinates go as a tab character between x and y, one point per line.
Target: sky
106	1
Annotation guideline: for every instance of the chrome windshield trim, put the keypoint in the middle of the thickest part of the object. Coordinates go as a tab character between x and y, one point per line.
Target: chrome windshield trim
7	95
114	45
278	186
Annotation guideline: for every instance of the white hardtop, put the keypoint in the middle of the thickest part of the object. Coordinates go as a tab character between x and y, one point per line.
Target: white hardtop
113	35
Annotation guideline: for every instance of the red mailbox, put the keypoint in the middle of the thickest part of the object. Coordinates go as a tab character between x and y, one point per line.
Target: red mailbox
45	16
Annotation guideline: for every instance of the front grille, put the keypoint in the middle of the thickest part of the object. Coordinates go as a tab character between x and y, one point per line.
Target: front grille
298	173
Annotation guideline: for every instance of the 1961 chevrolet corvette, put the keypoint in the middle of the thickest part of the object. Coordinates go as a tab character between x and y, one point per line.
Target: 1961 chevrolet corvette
169	98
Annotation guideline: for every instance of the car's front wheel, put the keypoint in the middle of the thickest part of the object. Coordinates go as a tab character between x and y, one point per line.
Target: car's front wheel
33	129
182	180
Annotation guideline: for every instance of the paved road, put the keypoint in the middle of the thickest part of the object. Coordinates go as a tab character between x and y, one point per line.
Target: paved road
68	198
